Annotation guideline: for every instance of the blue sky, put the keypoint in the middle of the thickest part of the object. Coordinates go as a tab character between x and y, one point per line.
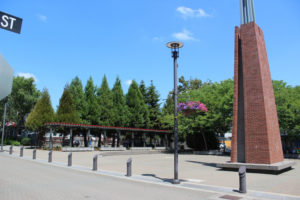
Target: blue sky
63	39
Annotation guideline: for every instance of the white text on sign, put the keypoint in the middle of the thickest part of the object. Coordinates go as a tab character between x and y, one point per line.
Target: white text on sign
7	21
10	22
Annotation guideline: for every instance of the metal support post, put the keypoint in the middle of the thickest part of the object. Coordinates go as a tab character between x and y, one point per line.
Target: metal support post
144	139
129	167
104	138
70	160
89	137
71	137
21	151
174	46
95	163
166	141
113	144
50	156
132	139
118	139
50	140
242	175
34	154
99	140
175	181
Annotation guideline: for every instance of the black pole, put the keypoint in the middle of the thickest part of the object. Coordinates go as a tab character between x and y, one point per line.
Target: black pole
71	137
175	46
50	140
175	181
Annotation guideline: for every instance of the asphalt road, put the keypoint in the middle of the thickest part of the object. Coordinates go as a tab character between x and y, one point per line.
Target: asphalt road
28	180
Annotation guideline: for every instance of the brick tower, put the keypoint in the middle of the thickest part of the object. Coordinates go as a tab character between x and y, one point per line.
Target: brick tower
255	132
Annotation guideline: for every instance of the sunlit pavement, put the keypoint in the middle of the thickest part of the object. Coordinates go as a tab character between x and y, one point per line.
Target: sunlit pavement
196	172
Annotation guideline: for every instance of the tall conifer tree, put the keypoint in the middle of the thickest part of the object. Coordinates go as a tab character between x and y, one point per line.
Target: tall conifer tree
91	114
66	110
152	100
77	92
143	89
139	115
120	109
105	101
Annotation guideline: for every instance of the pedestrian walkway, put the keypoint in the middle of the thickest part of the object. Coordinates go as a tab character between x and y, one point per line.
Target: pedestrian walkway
195	171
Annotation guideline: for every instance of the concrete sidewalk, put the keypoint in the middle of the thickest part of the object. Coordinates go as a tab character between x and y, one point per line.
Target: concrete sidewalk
193	169
27	180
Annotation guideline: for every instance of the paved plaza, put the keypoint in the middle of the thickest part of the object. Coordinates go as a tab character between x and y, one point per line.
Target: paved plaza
196	172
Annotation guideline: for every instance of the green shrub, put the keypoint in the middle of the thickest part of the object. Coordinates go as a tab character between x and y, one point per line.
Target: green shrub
13	142
26	141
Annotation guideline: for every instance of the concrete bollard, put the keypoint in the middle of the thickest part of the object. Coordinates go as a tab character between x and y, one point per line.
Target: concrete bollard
10	149
129	167
95	163
242	174
50	156
34	154
70	160
21	151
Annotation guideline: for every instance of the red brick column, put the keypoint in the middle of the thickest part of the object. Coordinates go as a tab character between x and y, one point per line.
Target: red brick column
235	97
260	123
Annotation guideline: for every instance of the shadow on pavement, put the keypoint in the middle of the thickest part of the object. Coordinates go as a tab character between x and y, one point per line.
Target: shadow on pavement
168	180
203	163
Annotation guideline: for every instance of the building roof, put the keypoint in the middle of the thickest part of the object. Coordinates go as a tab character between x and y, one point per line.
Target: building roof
54	124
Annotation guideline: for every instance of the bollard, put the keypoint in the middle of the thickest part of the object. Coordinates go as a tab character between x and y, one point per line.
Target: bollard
34	154
70	160
10	149
95	162
21	151
242	174
129	168
50	156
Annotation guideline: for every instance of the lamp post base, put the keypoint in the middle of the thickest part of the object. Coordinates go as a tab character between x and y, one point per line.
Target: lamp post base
176	181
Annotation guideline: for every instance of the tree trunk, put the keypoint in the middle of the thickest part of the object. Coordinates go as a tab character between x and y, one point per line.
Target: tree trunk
114	138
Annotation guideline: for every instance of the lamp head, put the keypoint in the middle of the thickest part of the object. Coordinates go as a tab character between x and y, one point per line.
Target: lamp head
174	46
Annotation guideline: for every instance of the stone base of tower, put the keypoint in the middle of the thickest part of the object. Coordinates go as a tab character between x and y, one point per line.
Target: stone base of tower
274	168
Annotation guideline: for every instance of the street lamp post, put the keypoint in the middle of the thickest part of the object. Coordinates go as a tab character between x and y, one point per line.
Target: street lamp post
174	46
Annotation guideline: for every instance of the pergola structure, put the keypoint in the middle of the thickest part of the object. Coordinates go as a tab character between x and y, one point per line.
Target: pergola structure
104	129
